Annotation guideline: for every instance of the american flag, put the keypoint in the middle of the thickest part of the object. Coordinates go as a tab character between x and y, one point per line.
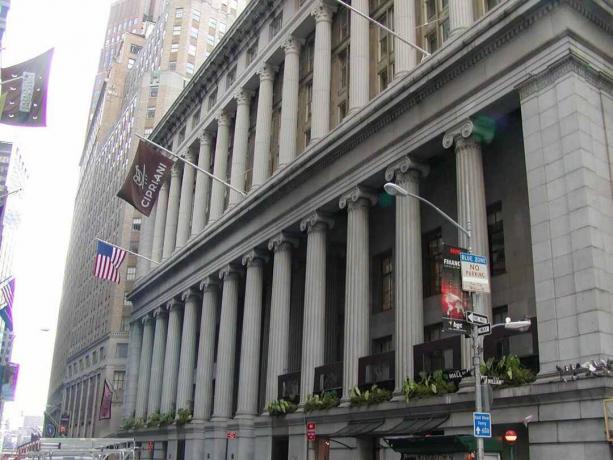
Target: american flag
6	310
108	260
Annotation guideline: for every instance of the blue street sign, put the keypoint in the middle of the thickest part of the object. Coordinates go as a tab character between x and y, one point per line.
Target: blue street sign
482	425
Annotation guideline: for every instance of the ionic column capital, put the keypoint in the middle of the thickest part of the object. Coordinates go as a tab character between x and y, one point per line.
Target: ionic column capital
267	72
243	96
191	292
406	165
210	283
357	197
173	304
176	169
159	311
206	138
223	118
282	242
322	12
292	45
229	272
146	319
255	257
189	155
316	221
462	130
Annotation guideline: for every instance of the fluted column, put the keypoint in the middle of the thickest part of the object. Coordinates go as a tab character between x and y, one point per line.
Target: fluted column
187	361
145	243
460	16
409	306
144	368
206	349
87	383
405	24
187	201
226	347
472	211
241	142
134	347
250	343
314	322
358	57
261	155
201	194
171	359
322	58
289	102
174	196
357	284
160	223
220	168
278	341
157	361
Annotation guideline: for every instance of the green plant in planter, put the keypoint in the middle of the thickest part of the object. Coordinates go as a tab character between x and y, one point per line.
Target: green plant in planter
128	424
167	418
374	395
183	416
139	423
281	407
324	401
153	420
508	368
427	385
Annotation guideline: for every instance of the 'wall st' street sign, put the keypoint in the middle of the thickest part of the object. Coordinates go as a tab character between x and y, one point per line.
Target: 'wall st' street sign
475	273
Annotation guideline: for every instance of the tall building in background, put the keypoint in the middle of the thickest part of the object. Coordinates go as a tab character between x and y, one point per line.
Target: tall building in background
148	68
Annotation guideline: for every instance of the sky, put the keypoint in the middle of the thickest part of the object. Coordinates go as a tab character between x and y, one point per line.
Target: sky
75	28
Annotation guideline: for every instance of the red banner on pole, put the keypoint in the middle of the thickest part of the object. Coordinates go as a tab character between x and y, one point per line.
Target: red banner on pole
454	301
106	402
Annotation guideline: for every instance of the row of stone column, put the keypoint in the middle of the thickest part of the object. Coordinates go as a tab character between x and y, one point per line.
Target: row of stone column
167	352
180	203
77	402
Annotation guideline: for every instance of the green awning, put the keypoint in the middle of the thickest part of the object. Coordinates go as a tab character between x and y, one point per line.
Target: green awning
441	444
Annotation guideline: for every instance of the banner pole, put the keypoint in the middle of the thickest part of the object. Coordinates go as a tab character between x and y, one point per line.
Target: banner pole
191	164
128	251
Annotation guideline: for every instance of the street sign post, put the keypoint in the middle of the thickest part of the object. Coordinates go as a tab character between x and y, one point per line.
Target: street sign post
475	273
482	425
485	329
476	318
491	380
456	325
457	374
310	434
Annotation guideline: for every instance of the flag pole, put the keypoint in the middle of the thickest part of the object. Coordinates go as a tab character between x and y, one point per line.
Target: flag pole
12	80
191	164
128	251
387	29
10	193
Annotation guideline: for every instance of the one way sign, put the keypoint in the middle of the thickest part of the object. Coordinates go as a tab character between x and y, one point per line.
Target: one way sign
486	329
476	318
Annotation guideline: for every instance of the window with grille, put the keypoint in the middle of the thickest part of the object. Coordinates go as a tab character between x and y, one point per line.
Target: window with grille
179	13
434	23
275	25
433	262
131	274
252	52
495	234
119	379
382	345
383	287
383	12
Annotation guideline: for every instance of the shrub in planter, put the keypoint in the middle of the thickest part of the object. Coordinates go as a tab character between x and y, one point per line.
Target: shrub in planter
167	419
153	420
281	407
321	402
374	395
509	369
183	416
427	385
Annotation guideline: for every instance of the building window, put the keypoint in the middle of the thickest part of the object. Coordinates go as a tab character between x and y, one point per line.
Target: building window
136	223
174	48
193	32
434	23
94	357
433	262
179	13
195	14
340	62
382	345
191	50
195	118
153	91
383	291
121	350
495	234
119	378
212	98
134	49
189	68
231	77
433	332
131	62
384	13
131	275
252	52
275	25
150	112
176	30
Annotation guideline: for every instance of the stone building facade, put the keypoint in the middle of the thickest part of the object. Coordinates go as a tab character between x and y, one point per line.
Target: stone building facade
314	279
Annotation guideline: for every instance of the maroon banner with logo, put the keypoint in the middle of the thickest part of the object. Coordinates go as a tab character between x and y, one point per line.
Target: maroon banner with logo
24	95
149	170
106	402
454	301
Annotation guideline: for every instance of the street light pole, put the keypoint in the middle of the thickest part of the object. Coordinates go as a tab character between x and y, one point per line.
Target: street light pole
396	190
